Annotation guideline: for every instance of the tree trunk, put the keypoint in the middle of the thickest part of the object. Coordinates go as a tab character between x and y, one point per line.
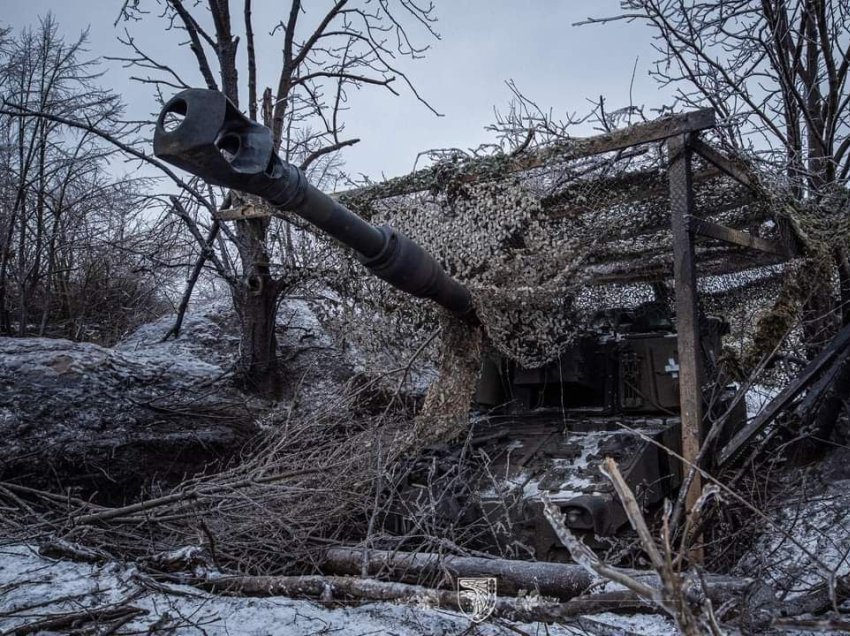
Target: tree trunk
843	266
255	300
259	371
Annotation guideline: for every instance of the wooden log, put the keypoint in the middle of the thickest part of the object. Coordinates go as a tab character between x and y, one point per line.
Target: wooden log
534	608
330	587
557	580
739	171
786	396
734	169
680	175
712	261
733	236
560	580
477	169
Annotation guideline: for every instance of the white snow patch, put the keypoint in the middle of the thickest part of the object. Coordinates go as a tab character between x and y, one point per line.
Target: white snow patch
642	624
759	396
808	542
33	587
301	324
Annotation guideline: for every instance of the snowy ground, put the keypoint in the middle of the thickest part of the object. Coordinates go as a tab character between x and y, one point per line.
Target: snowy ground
808	541
33	587
757	398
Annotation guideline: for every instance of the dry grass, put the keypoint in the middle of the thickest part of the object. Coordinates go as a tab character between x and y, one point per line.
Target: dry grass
310	480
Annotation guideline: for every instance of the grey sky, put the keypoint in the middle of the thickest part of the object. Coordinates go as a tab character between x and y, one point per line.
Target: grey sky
484	43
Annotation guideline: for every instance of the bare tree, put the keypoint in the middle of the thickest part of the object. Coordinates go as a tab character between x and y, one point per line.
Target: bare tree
325	53
776	73
63	217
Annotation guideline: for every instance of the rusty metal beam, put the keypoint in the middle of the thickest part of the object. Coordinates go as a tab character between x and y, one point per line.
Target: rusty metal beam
680	175
736	237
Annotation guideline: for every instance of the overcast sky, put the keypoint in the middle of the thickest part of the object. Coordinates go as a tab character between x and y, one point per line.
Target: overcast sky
483	43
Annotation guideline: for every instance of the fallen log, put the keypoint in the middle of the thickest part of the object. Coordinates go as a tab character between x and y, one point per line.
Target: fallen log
526	609
529	608
559	580
562	581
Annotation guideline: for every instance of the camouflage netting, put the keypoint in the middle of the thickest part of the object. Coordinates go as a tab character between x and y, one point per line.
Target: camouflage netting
534	247
445	414
545	246
495	238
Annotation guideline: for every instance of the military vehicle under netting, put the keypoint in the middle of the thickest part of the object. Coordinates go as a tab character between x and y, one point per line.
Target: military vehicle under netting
612	393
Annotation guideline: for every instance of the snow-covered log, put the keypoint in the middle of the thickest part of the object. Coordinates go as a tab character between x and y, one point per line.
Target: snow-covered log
115	419
532	607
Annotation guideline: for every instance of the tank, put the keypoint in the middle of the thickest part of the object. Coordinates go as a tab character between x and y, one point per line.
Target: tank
613	393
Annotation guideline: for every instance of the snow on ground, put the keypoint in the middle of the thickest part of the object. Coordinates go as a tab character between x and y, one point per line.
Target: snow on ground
808	540
206	334
758	397
301	323
33	587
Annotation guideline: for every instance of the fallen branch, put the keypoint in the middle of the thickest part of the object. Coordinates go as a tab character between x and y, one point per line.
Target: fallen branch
191	495
692	621
687	599
527	609
558	580
77	619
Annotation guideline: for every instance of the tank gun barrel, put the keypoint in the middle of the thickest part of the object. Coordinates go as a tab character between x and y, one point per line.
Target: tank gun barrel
216	142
